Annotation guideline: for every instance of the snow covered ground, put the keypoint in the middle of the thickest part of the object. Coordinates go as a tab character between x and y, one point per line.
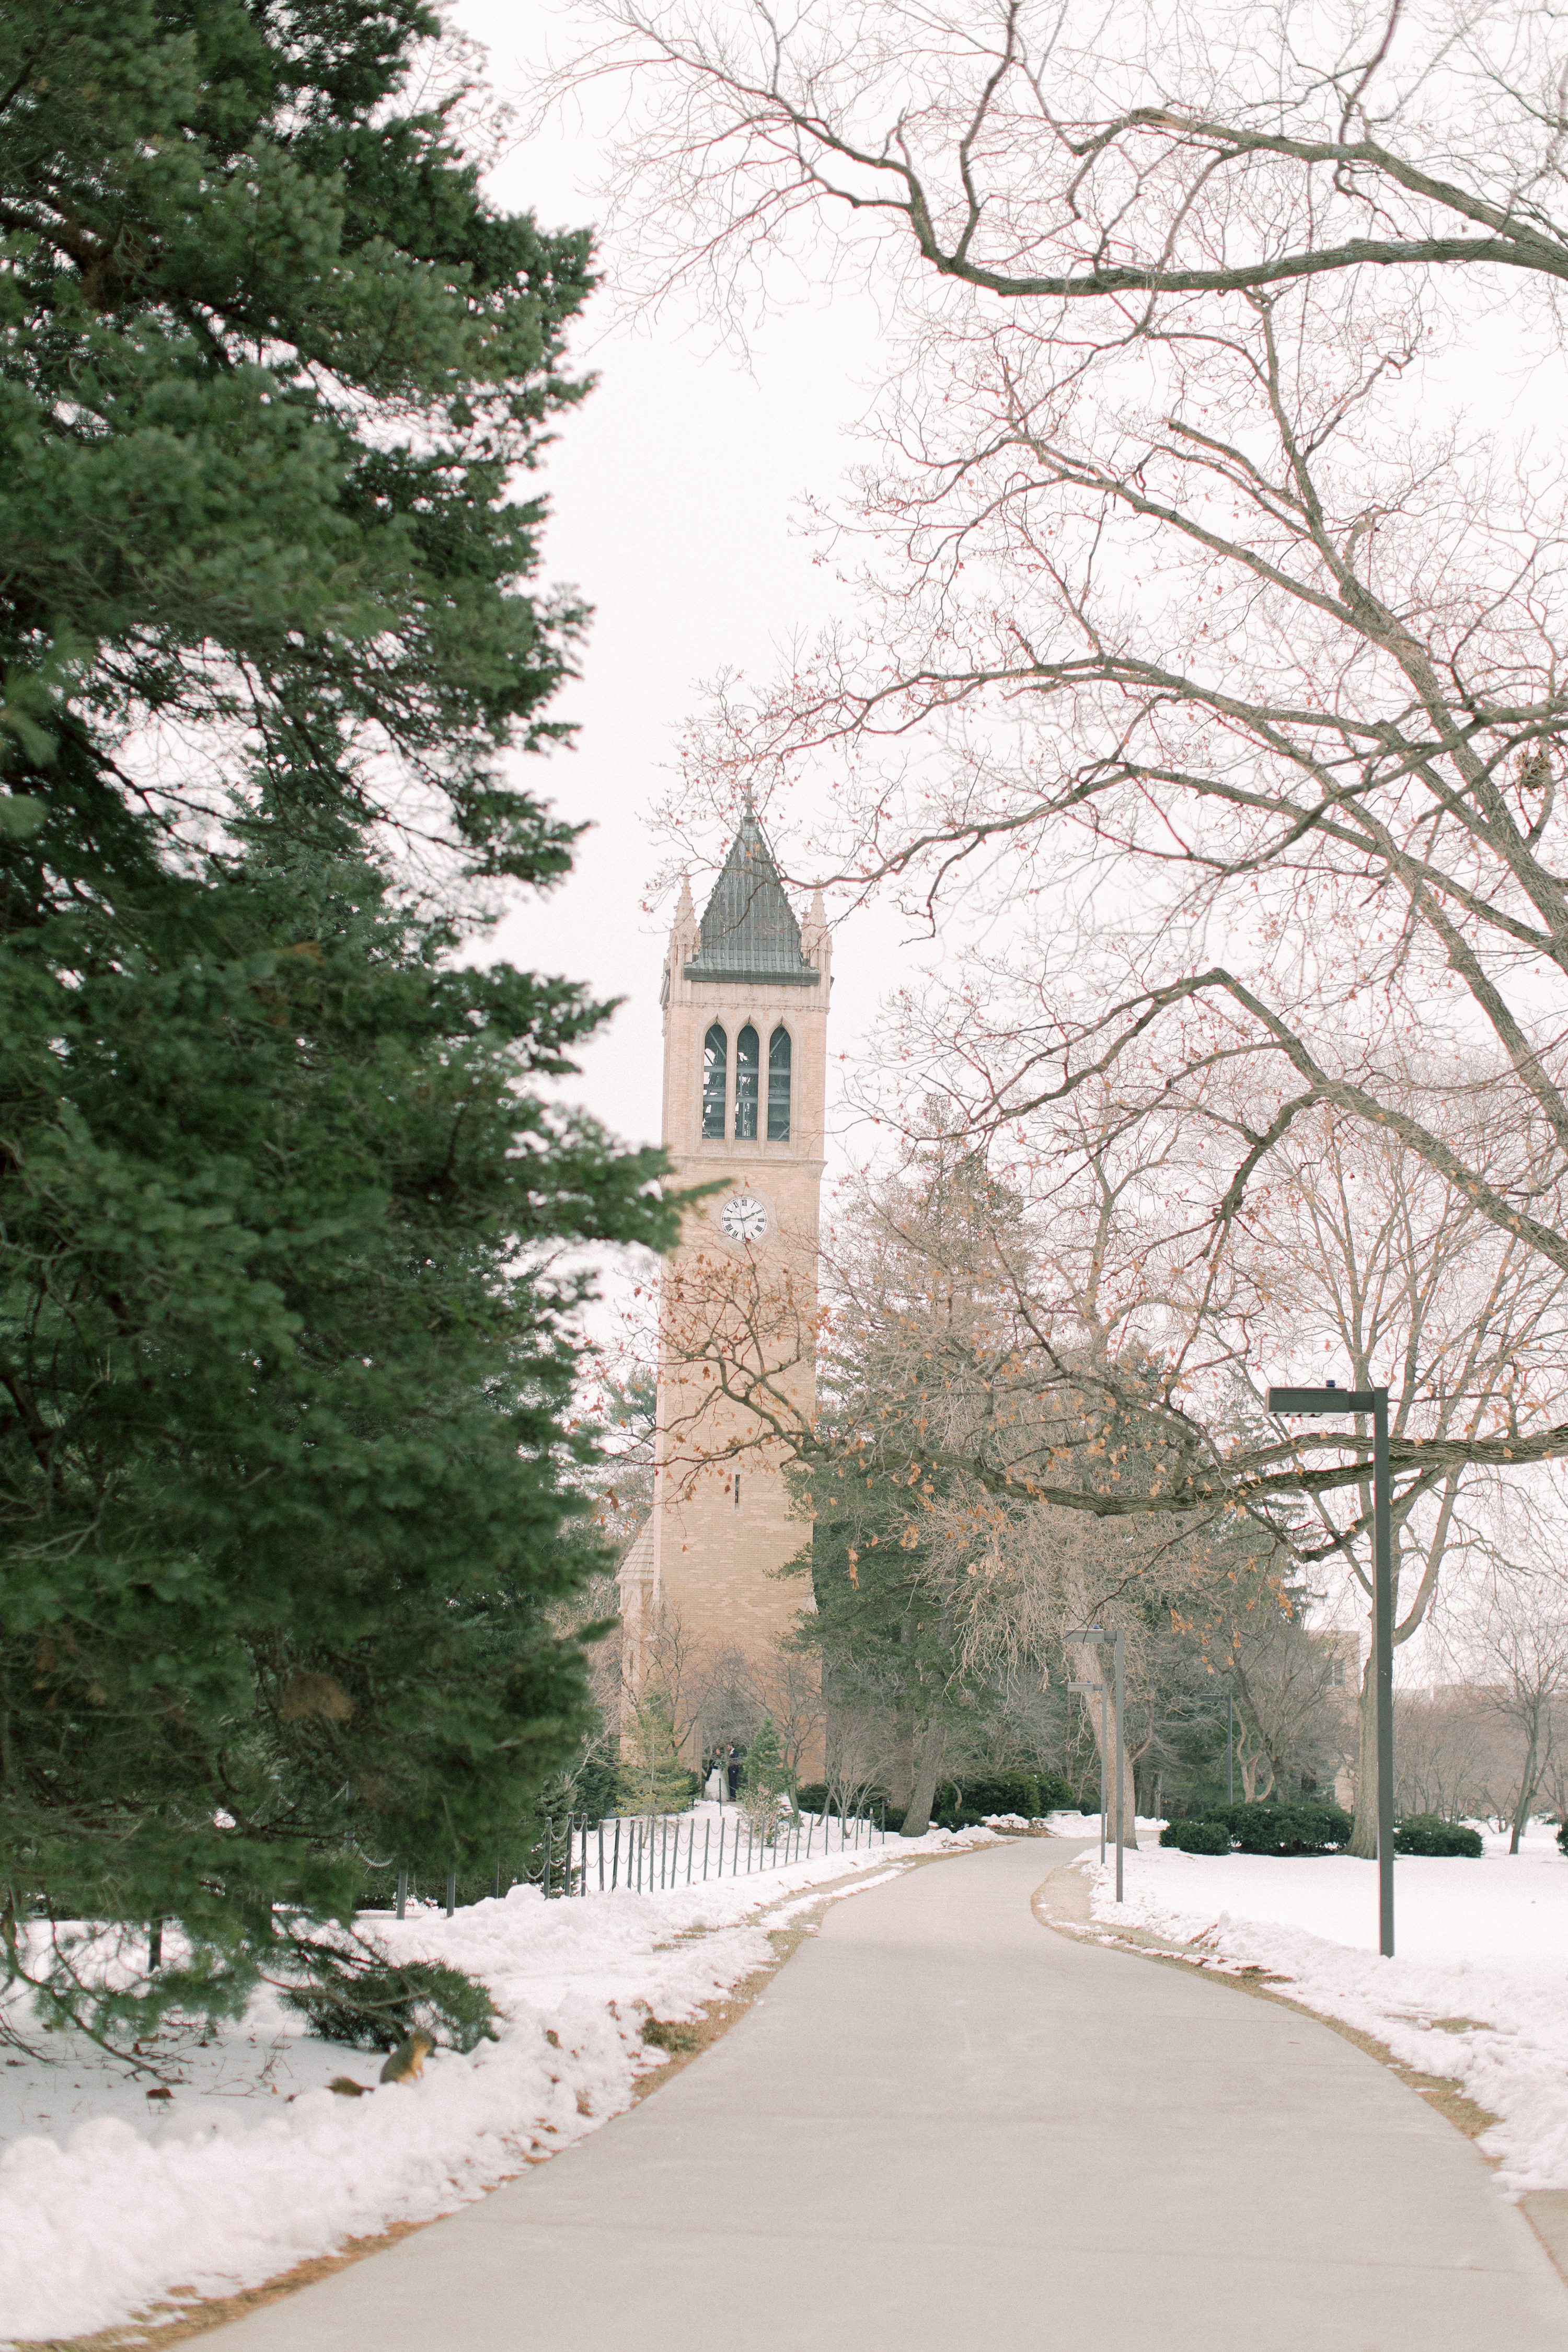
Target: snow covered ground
111	2201
1478	1990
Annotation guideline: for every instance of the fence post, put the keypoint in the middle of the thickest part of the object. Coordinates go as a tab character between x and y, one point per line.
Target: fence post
707	1838
600	1854
402	1893
451	1890
616	1856
547	1835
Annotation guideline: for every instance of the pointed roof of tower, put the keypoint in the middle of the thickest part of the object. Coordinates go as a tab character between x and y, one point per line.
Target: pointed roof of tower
749	930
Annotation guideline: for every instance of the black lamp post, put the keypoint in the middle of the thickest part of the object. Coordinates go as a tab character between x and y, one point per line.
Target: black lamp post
1376	1402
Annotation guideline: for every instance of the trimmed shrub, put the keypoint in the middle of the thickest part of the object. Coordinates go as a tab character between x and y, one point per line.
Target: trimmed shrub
1281	1830
962	1803
1429	1834
1197	1836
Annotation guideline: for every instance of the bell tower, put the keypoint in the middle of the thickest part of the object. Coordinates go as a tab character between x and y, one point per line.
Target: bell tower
745	1051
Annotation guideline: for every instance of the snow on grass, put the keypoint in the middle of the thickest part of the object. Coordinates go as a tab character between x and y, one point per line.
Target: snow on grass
109	2200
1478	1990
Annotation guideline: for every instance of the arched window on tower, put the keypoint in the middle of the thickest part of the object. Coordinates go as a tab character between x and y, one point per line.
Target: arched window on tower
778	1086
715	1067
748	1077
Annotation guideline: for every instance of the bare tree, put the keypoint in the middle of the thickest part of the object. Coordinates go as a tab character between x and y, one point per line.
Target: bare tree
1183	621
1353	1243
1284	1679
1517	1641
1055	155
1443	1747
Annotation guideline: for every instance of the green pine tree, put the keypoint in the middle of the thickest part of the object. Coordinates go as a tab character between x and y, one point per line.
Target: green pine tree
289	1477
651	1778
767	1790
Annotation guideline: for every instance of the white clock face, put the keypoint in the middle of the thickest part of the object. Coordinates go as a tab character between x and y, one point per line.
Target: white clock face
744	1217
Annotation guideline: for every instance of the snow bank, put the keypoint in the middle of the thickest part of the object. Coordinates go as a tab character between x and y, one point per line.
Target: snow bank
1086	1826
108	2200
1476	1990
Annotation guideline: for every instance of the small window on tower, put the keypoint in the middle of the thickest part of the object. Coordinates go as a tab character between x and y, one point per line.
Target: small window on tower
715	1065
748	1073
778	1086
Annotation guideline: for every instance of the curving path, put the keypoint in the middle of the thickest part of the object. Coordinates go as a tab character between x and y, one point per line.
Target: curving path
945	2126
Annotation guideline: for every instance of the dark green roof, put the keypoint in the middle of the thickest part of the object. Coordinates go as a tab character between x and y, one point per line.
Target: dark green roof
748	931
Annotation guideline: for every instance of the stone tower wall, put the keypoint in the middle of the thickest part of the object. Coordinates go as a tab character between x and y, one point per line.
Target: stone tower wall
715	1552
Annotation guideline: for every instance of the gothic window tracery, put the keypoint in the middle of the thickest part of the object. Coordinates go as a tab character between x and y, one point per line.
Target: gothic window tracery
715	1072
779	1056
748	1084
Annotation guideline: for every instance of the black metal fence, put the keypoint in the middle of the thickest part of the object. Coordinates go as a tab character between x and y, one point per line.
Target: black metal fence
649	1854
574	1854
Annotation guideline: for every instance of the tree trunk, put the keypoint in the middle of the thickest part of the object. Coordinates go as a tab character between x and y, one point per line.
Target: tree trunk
1087	1662
902	1760
1129	1800
1526	1788
1363	1836
928	1765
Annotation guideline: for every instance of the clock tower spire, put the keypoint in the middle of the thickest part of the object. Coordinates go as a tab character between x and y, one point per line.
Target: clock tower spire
745	1050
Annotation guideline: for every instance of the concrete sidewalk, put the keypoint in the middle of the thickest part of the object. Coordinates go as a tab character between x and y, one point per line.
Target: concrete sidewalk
945	2126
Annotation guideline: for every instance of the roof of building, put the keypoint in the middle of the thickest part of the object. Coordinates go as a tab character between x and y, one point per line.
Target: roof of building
748	931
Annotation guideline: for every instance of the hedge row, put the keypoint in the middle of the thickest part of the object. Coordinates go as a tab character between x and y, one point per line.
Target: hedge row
960	1804
1271	1829
1307	1829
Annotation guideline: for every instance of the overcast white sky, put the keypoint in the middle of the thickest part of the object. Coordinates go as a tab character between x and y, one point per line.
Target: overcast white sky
672	490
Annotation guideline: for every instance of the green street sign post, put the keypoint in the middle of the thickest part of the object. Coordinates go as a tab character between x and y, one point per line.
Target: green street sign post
1376	1402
